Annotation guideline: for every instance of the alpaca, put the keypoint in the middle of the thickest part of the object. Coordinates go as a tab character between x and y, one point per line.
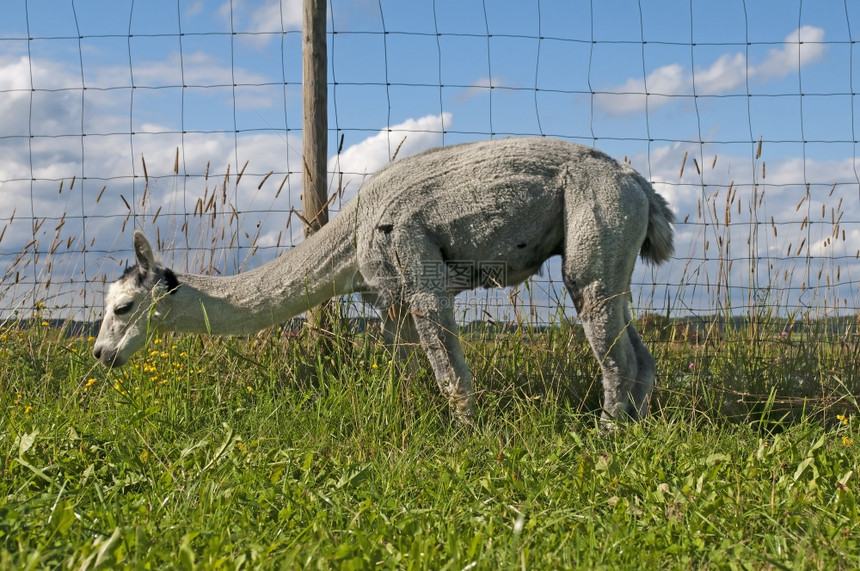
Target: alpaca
423	229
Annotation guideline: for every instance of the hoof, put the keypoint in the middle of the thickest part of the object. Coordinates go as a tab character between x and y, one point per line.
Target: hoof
464	411
608	425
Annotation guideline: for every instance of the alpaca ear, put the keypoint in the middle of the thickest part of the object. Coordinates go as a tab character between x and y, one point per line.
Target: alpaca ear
143	253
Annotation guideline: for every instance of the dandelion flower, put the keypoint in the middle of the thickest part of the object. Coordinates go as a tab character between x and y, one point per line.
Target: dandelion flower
847	441
842	418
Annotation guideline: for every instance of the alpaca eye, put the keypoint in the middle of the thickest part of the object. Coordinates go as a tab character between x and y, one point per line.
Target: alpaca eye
123	309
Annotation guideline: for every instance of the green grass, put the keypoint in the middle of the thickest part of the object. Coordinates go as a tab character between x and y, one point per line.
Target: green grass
271	452
268	452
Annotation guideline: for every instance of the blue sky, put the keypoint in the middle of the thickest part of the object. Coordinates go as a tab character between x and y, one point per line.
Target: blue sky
100	84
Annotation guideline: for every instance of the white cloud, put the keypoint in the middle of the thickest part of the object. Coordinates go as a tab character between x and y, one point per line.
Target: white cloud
198	68
287	14
14	74
668	80
800	48
480	86
725	74
373	153
194	7
263	18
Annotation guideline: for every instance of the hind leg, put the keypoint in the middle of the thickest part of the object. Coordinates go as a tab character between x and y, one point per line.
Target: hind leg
603	317
606	223
627	366
646	369
599	284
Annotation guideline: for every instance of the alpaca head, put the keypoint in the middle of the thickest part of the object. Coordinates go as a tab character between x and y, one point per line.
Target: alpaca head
130	302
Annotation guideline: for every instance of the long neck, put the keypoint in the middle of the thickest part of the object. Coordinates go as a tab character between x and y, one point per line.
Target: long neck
321	267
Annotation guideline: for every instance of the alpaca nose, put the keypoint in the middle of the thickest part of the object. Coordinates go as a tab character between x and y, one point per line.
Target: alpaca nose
97	352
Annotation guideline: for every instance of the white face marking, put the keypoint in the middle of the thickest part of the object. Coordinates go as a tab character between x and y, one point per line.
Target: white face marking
124	326
129	303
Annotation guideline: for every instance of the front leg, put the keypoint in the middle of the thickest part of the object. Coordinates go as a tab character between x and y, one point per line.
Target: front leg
433	315
398	330
404	268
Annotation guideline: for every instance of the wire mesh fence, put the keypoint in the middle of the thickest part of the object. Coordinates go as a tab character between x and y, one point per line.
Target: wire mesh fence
183	119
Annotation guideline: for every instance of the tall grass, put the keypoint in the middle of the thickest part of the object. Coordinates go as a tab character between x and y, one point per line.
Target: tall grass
264	451
276	450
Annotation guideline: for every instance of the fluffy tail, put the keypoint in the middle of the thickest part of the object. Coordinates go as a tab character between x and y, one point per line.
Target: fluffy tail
658	246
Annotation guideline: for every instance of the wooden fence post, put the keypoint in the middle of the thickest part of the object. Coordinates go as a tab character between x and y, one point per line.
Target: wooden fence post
315	131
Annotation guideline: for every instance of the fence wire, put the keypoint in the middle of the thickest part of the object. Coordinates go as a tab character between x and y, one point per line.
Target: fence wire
184	120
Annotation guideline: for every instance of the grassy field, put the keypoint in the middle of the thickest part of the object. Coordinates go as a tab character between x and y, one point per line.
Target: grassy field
272	451
276	452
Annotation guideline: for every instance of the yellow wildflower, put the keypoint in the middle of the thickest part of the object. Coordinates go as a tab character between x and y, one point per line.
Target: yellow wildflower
847	441
842	418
